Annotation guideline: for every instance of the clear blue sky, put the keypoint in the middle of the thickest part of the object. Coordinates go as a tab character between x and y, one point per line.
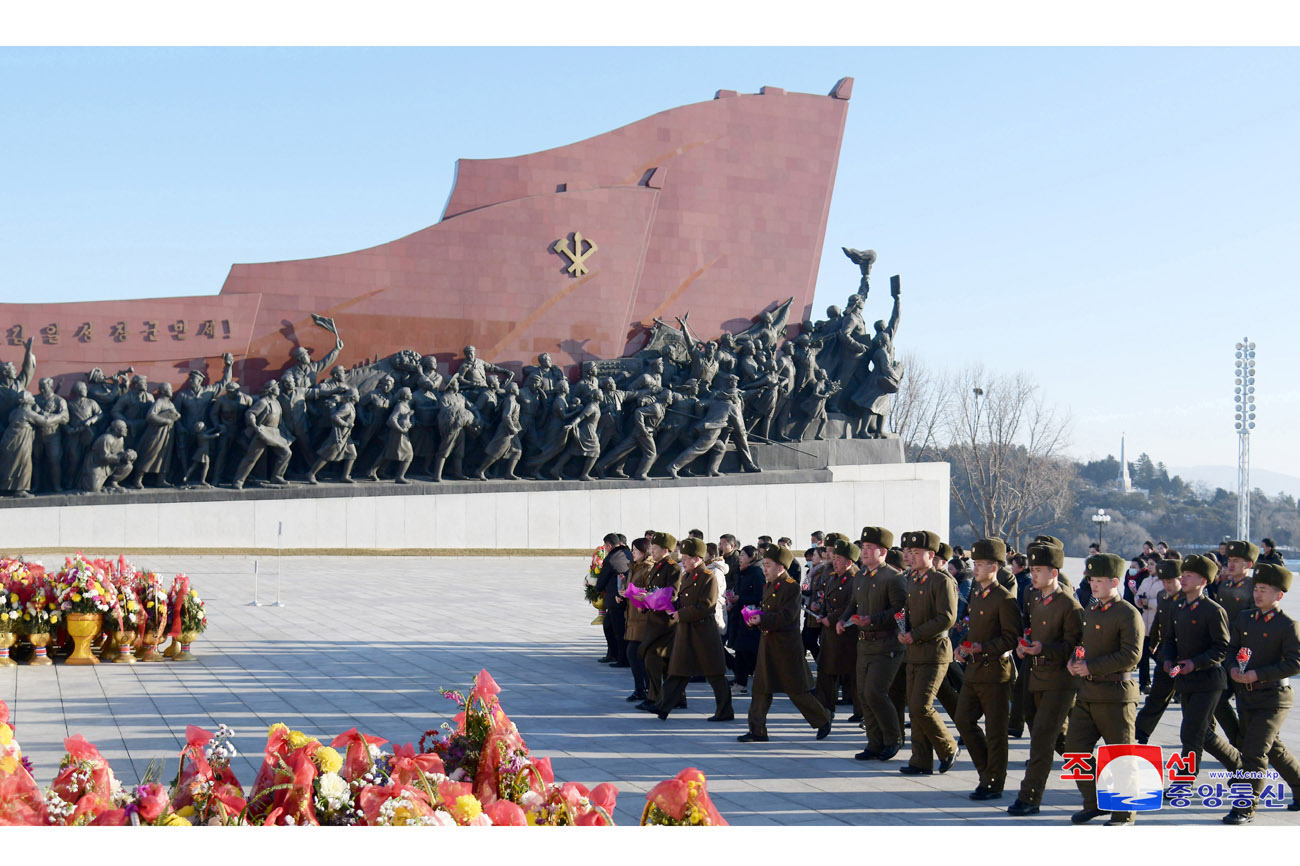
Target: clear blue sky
1111	220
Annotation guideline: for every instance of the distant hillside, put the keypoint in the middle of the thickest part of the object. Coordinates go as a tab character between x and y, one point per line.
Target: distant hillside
1226	477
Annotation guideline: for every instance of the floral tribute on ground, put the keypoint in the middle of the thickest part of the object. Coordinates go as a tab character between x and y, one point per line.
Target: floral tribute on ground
475	772
95	610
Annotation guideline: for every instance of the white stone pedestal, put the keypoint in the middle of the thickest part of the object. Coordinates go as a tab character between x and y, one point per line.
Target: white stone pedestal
538	516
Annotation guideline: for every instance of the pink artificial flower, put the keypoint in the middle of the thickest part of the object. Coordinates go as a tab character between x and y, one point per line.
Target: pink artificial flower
151	800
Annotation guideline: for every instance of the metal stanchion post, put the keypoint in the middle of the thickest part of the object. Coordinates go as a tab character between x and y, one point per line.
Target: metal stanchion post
254	602
279	538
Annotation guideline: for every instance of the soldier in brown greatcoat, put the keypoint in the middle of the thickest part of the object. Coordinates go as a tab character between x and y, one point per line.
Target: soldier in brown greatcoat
837	659
986	690
1234	593
697	644
1170	572
657	632
931	611
1053	624
781	666
1264	693
1196	649
1108	689
878	594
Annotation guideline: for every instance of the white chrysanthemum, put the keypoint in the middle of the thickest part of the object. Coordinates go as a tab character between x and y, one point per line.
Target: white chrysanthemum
531	801
335	789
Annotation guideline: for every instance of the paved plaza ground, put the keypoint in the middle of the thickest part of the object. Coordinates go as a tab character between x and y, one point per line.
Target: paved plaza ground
366	642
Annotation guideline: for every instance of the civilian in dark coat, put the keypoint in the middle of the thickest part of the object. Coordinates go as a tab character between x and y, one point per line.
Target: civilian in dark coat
612	579
749	593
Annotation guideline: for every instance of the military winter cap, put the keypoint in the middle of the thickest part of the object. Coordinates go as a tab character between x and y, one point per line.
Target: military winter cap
664	540
922	539
945	551
1197	564
848	550
1049	539
1104	565
780	555
832	537
1046	554
694	547
1172	569
1244	550
877	535
990	550
1273	575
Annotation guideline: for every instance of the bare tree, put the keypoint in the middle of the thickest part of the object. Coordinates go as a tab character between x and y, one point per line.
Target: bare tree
1010	475
917	410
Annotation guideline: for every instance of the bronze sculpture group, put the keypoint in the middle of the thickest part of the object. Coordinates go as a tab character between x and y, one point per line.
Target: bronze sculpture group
674	408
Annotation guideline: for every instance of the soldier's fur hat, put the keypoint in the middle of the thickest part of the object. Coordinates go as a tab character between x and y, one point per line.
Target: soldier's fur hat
923	539
780	555
1104	565
990	550
664	540
1244	550
1197	564
1049	555
695	547
848	550
1273	575
877	535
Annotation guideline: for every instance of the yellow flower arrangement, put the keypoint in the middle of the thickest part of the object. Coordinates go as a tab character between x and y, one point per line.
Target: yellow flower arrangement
297	739
328	760
466	808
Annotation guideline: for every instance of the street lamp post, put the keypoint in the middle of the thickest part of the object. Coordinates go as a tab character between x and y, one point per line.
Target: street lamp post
1244	377
1101	518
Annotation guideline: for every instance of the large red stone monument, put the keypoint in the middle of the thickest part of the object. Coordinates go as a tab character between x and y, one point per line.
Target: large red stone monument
718	208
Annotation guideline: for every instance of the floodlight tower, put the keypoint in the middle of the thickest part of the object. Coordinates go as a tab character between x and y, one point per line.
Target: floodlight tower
1245	419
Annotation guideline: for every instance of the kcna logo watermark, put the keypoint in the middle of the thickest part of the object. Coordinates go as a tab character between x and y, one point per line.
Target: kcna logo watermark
1132	778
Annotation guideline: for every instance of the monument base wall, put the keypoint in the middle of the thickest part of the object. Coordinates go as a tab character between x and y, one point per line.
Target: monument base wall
497	516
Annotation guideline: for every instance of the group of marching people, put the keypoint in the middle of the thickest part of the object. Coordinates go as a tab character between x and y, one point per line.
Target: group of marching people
894	632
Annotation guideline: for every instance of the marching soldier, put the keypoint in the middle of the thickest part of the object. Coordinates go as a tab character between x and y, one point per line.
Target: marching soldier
657	630
1264	653
986	690
1170	572
697	645
878	594
1054	627
1108	691
839	646
782	666
1234	593
1193	656
931	609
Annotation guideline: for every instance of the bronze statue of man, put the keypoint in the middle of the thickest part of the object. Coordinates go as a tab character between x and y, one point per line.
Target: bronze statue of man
226	422
338	447
47	450
873	396
13	381
192	401
454	417
16	445
505	443
79	434
472	374
264	423
132	407
109	461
